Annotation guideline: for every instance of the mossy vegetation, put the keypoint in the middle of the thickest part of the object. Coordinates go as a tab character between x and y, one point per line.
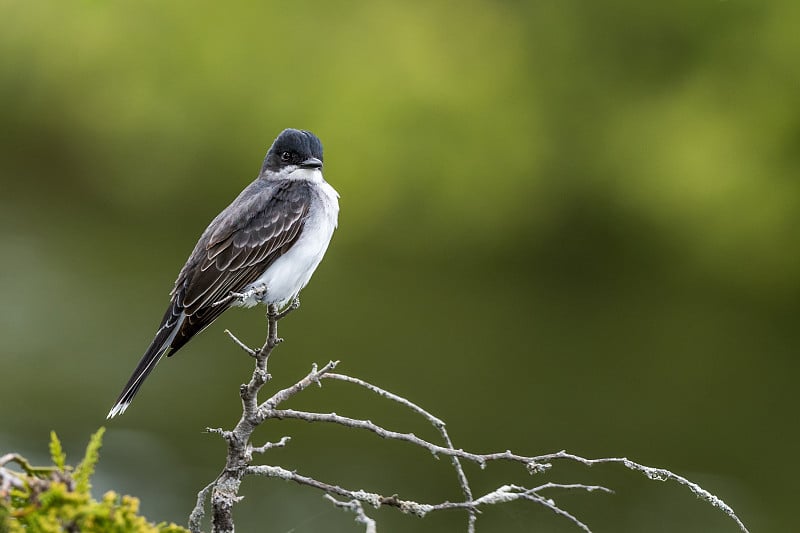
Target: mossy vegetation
58	498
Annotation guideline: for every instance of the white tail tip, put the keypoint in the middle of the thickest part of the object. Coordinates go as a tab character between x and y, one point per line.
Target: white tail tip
117	410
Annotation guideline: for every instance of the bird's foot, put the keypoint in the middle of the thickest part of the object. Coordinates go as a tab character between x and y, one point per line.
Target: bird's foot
248	298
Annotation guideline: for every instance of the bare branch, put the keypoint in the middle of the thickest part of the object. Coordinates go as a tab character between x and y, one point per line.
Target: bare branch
199	511
355	507
224	490
411	438
241	345
436	422
534	464
270	445
504	494
388	395
291	307
572	486
550	504
510	493
311	378
656	474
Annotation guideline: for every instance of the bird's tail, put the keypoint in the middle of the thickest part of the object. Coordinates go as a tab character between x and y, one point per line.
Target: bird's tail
161	343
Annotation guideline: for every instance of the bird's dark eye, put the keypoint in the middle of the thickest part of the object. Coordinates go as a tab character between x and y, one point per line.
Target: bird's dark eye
286	157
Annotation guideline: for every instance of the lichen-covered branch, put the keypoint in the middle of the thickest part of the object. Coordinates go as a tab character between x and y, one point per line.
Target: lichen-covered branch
223	491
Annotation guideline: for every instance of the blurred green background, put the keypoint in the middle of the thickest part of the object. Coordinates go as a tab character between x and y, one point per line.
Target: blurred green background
564	225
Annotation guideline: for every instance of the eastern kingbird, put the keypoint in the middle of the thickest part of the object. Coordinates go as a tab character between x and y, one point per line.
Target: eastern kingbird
265	245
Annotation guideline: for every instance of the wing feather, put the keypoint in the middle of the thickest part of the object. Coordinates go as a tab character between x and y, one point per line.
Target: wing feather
237	248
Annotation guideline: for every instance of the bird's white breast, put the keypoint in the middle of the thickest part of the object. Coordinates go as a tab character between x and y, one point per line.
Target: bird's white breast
292	271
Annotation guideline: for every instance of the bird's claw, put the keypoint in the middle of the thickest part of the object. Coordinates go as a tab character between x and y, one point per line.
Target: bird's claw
248	298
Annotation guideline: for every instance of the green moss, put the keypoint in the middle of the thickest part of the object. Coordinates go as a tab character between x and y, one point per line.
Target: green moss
58	499
57	452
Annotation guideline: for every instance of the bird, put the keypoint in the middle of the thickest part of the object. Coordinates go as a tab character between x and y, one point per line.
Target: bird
262	248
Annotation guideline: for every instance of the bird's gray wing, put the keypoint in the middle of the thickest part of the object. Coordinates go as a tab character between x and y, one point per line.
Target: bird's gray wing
238	246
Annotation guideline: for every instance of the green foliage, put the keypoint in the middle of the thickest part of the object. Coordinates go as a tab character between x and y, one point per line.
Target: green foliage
57	499
86	468
57	452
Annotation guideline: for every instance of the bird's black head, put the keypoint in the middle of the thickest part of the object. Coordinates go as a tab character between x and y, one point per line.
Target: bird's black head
298	148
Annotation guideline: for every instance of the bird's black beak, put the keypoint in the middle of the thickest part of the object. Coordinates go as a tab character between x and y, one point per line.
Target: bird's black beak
311	162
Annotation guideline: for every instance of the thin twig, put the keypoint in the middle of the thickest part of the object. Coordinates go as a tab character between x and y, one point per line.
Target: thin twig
355	507
435	421
291	307
199	511
311	378
270	445
240	344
